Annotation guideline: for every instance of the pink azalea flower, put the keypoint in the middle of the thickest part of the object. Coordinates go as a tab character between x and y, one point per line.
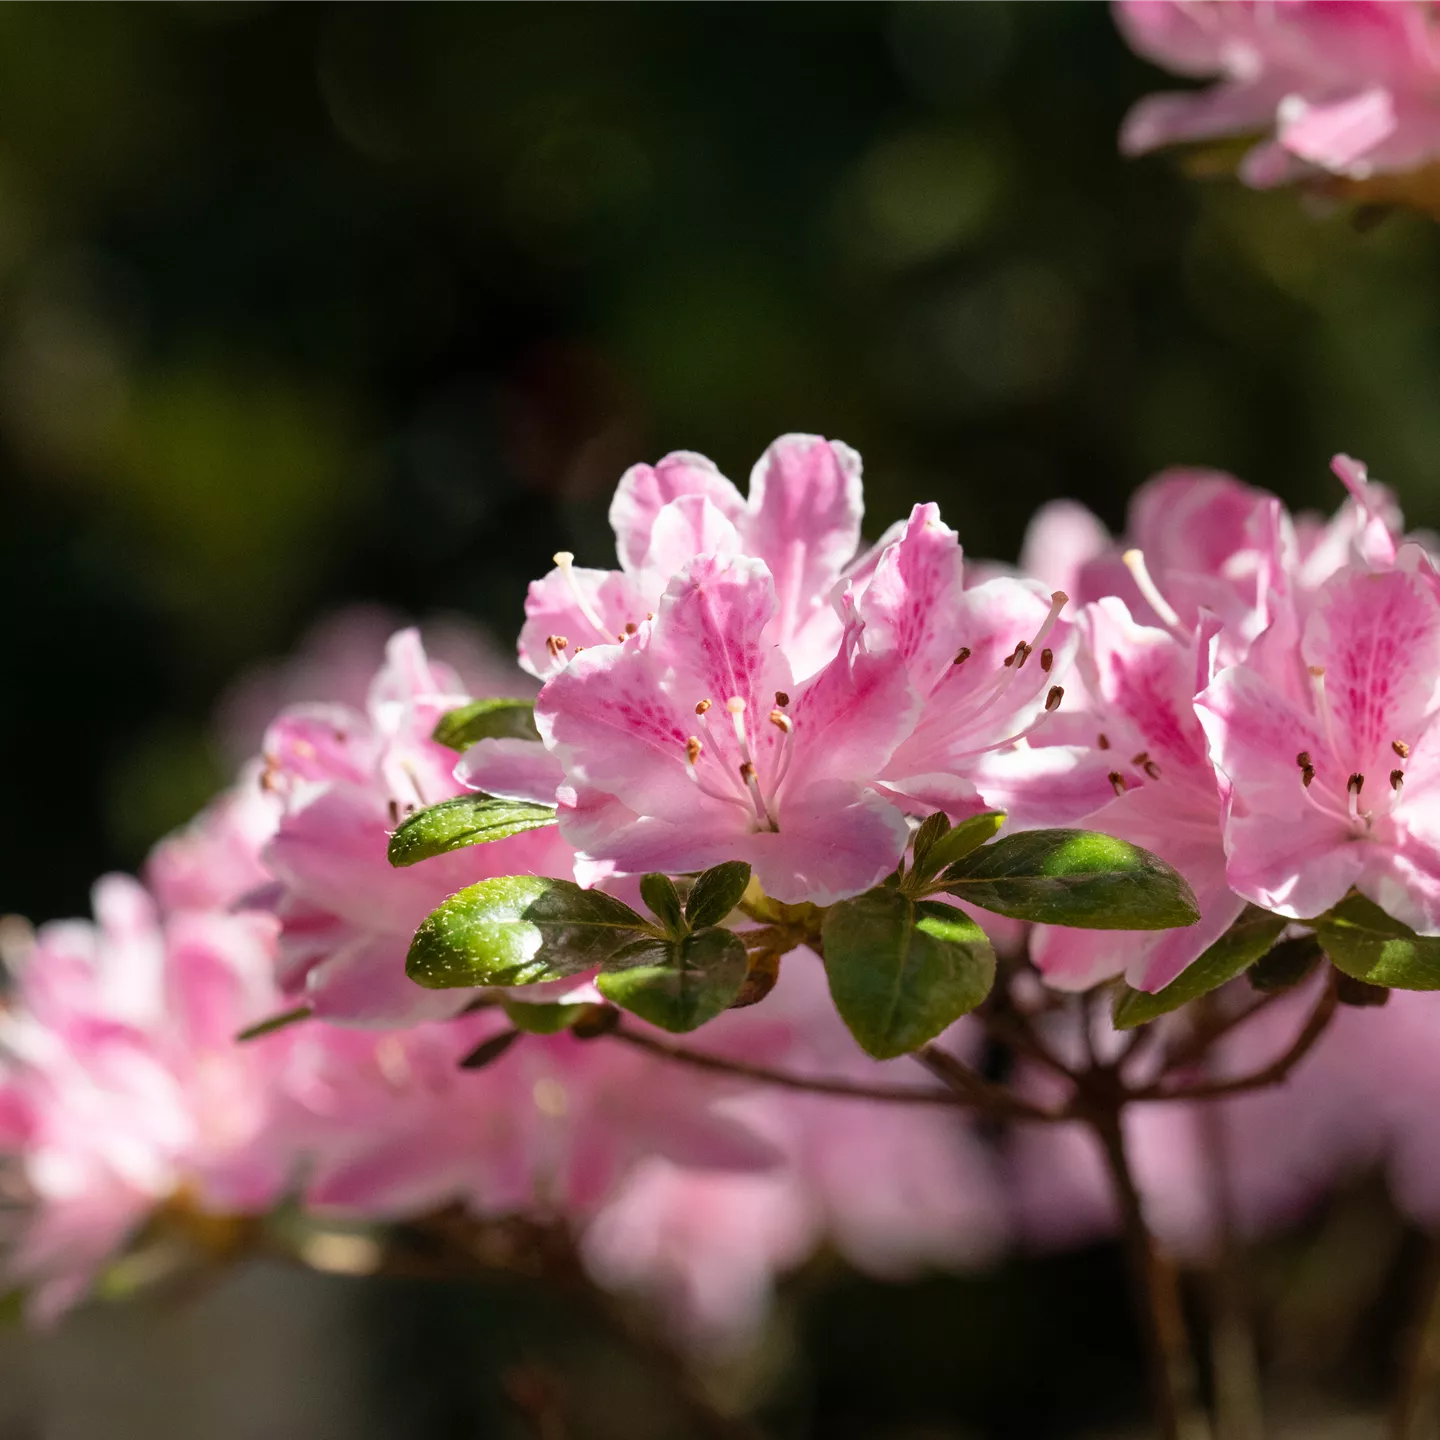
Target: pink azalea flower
1329	752
988	663
802	518
692	743
347	778
1349	89
122	1088
1142	682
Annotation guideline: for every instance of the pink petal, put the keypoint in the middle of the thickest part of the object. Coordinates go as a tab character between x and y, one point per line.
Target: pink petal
645	490
561	607
511	770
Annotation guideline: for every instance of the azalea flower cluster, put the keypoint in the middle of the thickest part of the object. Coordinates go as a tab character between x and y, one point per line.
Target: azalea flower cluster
1330	89
1237	704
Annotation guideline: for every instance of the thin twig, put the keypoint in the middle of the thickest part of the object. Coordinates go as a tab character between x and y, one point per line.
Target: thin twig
975	1088
767	1075
1152	1282
1274	1073
1415	1399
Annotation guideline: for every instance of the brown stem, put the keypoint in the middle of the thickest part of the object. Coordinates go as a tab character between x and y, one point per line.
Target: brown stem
1152	1282
1274	1073
998	1101
1415	1399
975	1089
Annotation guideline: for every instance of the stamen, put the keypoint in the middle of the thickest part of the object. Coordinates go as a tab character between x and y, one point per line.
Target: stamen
1151	769
1047	659
1397	779
1303	760
781	698
1355	784
1134	561
1056	695
555	644
1307	770
747	774
1103	741
565	563
1400	748
961	655
702	707
1322	705
1018	656
780	720
631	627
649	614
736	708
395	810
1141	758
693	749
1117	782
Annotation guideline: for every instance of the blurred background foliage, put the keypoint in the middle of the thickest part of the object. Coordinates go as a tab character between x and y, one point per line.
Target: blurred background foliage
304	305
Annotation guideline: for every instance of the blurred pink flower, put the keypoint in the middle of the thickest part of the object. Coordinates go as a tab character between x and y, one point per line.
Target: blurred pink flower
1345	87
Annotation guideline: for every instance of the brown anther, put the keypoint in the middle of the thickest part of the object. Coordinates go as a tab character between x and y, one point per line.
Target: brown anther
781	698
270	776
1400	748
702	707
1355	784
693	747
394	812
1397	779
620	636
649	614
1141	758
1151	769
962	655
1103	741
780	720
747	771
1047	659
1303	760
1019	655
1307	775
1053	699
555	644
579	649
631	627
1117	782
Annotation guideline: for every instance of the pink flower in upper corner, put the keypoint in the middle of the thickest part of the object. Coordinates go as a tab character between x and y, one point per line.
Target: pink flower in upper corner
802	518
347	778
1348	89
691	744
1142	682
1332	756
122	1087
989	663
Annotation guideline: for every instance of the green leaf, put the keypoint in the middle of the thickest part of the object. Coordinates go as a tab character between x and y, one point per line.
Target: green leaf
660	894
1365	942
716	892
1289	964
487	720
1252	934
677	984
1074	877
517	930
932	827
902	970
538	1019
969	835
465	820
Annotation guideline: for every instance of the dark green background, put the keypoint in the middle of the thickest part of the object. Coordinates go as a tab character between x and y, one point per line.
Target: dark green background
308	304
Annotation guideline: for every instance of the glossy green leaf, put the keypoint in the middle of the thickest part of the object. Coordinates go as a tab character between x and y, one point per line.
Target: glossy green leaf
931	828
465	820
660	894
1252	934
716	892
1363	941
901	970
1289	964
537	1019
960	840
677	984
487	720
1074	877
517	930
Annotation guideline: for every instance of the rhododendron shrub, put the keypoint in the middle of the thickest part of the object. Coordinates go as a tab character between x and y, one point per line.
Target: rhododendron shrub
864	817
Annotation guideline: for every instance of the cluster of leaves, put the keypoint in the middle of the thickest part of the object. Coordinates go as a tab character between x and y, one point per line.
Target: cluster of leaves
902	964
